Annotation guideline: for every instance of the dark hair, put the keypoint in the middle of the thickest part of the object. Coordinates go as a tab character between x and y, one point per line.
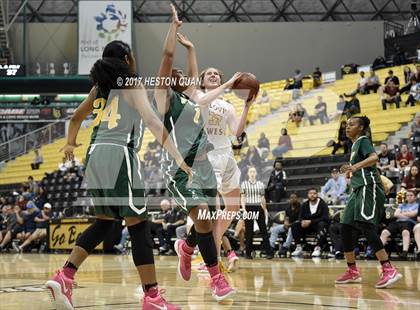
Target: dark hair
116	49
312	189
364	121
111	66
390	72
410	175
285	131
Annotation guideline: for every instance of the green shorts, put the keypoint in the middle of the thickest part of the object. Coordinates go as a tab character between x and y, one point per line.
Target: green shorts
203	188
365	204
115	182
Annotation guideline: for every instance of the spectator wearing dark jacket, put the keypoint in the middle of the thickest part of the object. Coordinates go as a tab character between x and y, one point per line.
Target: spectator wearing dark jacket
314	218
352	107
276	187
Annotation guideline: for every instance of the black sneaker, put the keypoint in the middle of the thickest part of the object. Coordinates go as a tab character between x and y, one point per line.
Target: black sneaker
283	252
403	255
248	256
418	256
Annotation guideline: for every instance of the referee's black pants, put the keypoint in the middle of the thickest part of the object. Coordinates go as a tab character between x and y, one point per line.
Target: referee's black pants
249	229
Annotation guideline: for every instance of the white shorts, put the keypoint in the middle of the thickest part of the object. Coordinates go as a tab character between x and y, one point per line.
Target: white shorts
226	170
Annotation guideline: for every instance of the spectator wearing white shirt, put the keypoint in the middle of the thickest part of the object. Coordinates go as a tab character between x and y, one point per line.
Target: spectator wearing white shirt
373	83
334	191
361	87
37	161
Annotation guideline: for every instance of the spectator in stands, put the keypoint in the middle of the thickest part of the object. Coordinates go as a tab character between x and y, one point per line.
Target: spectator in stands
412	180
361	87
243	166
414	135
263	142
155	182
407	74
334	191
41	223
253	201
317	77
172	220
417	73
335	235
298	114
29	225
341	104
342	140
352	107
416	231
393	78
405	214
32	186
320	112
414	95
14	226
284	145
264	98
391	94
386	160
291	218
276	187
156	225
314	217
253	158
404	159
373	83
298	79
38	160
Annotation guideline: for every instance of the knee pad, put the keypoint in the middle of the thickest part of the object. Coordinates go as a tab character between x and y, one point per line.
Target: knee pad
94	234
369	230
141	243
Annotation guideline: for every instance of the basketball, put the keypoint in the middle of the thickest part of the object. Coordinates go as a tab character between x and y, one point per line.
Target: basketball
246	86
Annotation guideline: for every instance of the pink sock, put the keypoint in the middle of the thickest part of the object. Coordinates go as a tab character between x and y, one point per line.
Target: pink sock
187	249
69	272
214	271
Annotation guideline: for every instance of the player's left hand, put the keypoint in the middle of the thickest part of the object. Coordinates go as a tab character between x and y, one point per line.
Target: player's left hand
184	41
188	170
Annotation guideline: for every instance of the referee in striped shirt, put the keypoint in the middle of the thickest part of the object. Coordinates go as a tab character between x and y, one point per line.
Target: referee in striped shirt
252	200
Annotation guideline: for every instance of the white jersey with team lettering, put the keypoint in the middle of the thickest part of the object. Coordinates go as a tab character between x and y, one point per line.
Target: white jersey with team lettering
220	116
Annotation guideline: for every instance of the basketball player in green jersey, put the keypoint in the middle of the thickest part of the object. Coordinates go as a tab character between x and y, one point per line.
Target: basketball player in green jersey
113	171
365	207
183	119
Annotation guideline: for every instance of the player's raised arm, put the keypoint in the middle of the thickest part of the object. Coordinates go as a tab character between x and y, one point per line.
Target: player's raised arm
165	71
208	97
81	113
137	98
192	65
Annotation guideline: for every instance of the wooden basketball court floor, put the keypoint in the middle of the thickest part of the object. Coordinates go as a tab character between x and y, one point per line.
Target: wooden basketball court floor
110	282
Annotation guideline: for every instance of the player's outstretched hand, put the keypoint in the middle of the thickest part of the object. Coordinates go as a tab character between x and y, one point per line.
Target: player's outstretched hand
233	79
184	41
175	19
68	150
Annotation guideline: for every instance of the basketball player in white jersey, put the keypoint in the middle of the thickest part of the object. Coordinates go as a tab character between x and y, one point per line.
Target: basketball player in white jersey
221	119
